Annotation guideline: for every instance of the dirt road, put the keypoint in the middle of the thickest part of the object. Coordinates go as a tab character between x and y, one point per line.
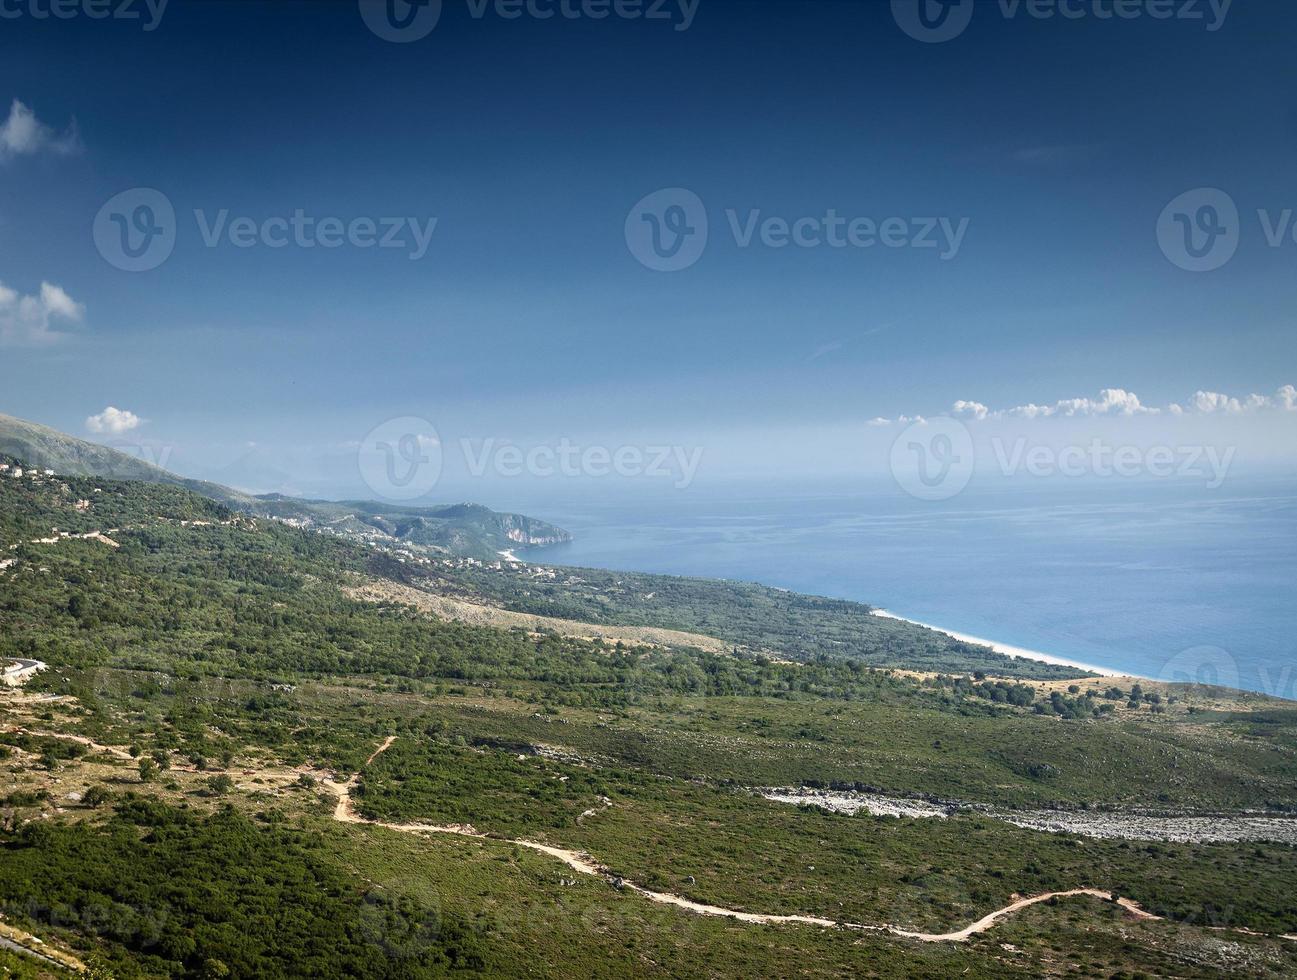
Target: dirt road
345	812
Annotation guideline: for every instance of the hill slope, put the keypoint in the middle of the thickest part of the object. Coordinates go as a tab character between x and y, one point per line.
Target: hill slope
219	697
459	529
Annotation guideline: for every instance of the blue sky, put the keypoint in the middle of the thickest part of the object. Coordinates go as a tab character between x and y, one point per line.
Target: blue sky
1056	142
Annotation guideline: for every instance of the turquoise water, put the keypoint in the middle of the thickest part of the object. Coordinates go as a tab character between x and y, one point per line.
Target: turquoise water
1158	580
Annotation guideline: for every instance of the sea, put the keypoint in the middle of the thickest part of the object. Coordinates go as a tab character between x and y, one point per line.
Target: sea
1154	579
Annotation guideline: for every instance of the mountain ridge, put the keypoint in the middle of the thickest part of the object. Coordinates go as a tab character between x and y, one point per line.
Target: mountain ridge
464	529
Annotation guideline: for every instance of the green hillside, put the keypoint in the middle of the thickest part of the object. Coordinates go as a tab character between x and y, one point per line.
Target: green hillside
233	766
457	529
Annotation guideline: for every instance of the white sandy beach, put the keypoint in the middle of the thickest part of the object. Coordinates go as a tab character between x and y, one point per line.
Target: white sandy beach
1012	651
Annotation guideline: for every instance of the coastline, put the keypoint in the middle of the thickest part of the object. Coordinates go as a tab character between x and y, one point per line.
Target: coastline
1018	653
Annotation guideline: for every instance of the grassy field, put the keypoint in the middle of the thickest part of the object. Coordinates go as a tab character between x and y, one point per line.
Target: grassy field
166	800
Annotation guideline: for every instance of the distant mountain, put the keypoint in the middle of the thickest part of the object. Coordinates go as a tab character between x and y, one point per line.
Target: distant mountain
458	529
46	448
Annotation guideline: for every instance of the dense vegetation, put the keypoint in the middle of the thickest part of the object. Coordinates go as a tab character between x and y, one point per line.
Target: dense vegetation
216	652
267	902
756	617
236	597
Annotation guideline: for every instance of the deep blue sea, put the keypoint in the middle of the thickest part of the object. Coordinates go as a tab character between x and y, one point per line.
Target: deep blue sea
1156	579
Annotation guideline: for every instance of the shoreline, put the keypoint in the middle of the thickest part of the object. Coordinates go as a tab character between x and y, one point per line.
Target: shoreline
1018	653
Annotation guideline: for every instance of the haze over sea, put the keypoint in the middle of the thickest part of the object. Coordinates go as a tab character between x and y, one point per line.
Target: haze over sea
1151	578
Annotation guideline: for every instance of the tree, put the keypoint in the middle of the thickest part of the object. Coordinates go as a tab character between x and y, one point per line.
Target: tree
95	796
220	784
148	770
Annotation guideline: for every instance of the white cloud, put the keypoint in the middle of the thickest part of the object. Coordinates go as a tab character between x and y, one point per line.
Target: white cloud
114	421
973	410
1117	402
1111	401
28	321
1212	402
22	134
900	420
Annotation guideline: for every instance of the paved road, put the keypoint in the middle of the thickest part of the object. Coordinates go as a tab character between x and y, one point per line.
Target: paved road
19	670
9	944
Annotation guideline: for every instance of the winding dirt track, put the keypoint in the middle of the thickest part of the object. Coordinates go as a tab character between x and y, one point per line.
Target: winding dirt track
345	812
80	740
